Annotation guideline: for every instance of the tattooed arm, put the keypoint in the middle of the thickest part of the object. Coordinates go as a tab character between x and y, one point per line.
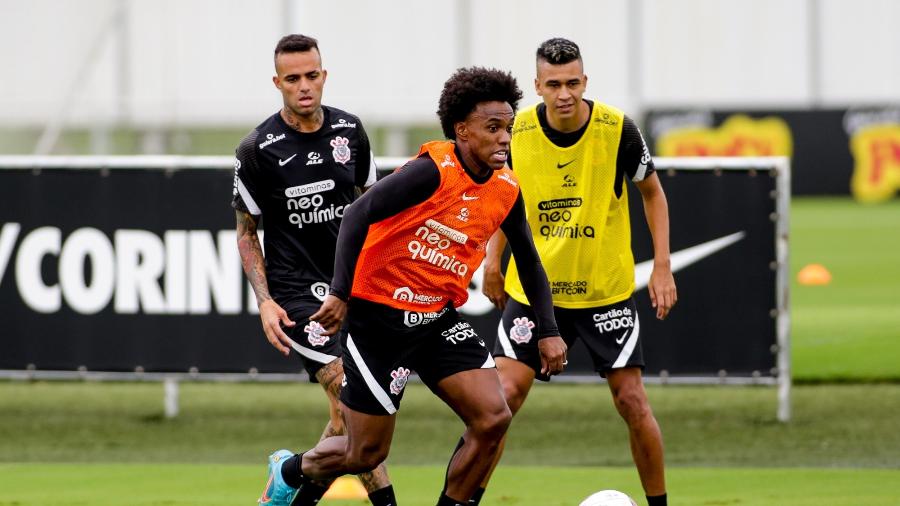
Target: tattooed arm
271	314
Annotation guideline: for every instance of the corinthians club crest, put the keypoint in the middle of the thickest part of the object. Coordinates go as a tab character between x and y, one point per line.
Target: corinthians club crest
521	330
314	334
341	152
400	376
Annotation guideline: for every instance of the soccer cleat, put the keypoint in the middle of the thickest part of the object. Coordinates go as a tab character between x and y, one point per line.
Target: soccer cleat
277	492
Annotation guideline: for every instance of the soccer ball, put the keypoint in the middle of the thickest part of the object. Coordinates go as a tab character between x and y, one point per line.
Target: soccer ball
608	498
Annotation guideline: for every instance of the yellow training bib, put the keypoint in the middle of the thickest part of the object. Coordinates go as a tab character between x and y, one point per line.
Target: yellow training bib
581	230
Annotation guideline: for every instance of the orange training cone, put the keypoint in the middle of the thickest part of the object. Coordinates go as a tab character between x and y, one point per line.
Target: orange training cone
346	487
814	275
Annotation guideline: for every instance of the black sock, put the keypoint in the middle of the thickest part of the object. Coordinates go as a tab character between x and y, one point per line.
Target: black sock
310	493
657	500
476	497
383	497
446	501
291	472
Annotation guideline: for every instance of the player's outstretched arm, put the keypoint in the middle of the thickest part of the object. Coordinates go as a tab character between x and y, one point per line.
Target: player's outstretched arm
663	293
270	313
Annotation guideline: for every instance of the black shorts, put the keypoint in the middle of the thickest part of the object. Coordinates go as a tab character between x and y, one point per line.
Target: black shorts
384	345
315	350
610	333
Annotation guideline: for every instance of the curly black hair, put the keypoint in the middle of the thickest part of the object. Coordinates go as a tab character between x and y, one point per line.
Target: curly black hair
470	86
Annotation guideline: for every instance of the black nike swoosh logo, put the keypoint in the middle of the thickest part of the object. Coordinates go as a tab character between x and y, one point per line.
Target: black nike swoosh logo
561	165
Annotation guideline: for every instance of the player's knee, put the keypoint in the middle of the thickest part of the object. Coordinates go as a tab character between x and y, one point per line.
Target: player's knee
632	405
365	459
515	394
493	425
363	463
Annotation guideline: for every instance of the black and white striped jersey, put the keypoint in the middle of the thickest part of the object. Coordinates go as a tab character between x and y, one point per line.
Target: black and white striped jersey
300	183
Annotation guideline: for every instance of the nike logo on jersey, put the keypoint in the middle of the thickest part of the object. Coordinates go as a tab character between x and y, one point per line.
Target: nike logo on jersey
683	258
469	197
561	165
282	163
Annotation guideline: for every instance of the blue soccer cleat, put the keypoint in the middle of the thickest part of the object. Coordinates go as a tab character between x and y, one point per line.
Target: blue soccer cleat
277	492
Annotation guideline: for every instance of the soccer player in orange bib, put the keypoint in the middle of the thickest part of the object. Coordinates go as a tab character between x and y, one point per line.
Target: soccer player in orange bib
406	252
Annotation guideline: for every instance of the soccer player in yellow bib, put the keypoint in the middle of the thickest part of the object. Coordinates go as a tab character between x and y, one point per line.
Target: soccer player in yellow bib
572	157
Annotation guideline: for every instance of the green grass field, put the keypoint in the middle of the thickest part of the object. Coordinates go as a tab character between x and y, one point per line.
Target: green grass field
77	443
88	443
833	426
194	485
850	329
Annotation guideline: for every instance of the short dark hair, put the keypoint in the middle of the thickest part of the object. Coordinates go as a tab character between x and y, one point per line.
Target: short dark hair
558	51
470	86
296	43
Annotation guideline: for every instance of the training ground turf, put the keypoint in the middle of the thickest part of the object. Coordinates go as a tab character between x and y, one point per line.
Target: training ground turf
108	444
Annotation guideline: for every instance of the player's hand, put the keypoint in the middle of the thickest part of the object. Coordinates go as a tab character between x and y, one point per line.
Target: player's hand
663	294
273	317
492	288
330	315
553	355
